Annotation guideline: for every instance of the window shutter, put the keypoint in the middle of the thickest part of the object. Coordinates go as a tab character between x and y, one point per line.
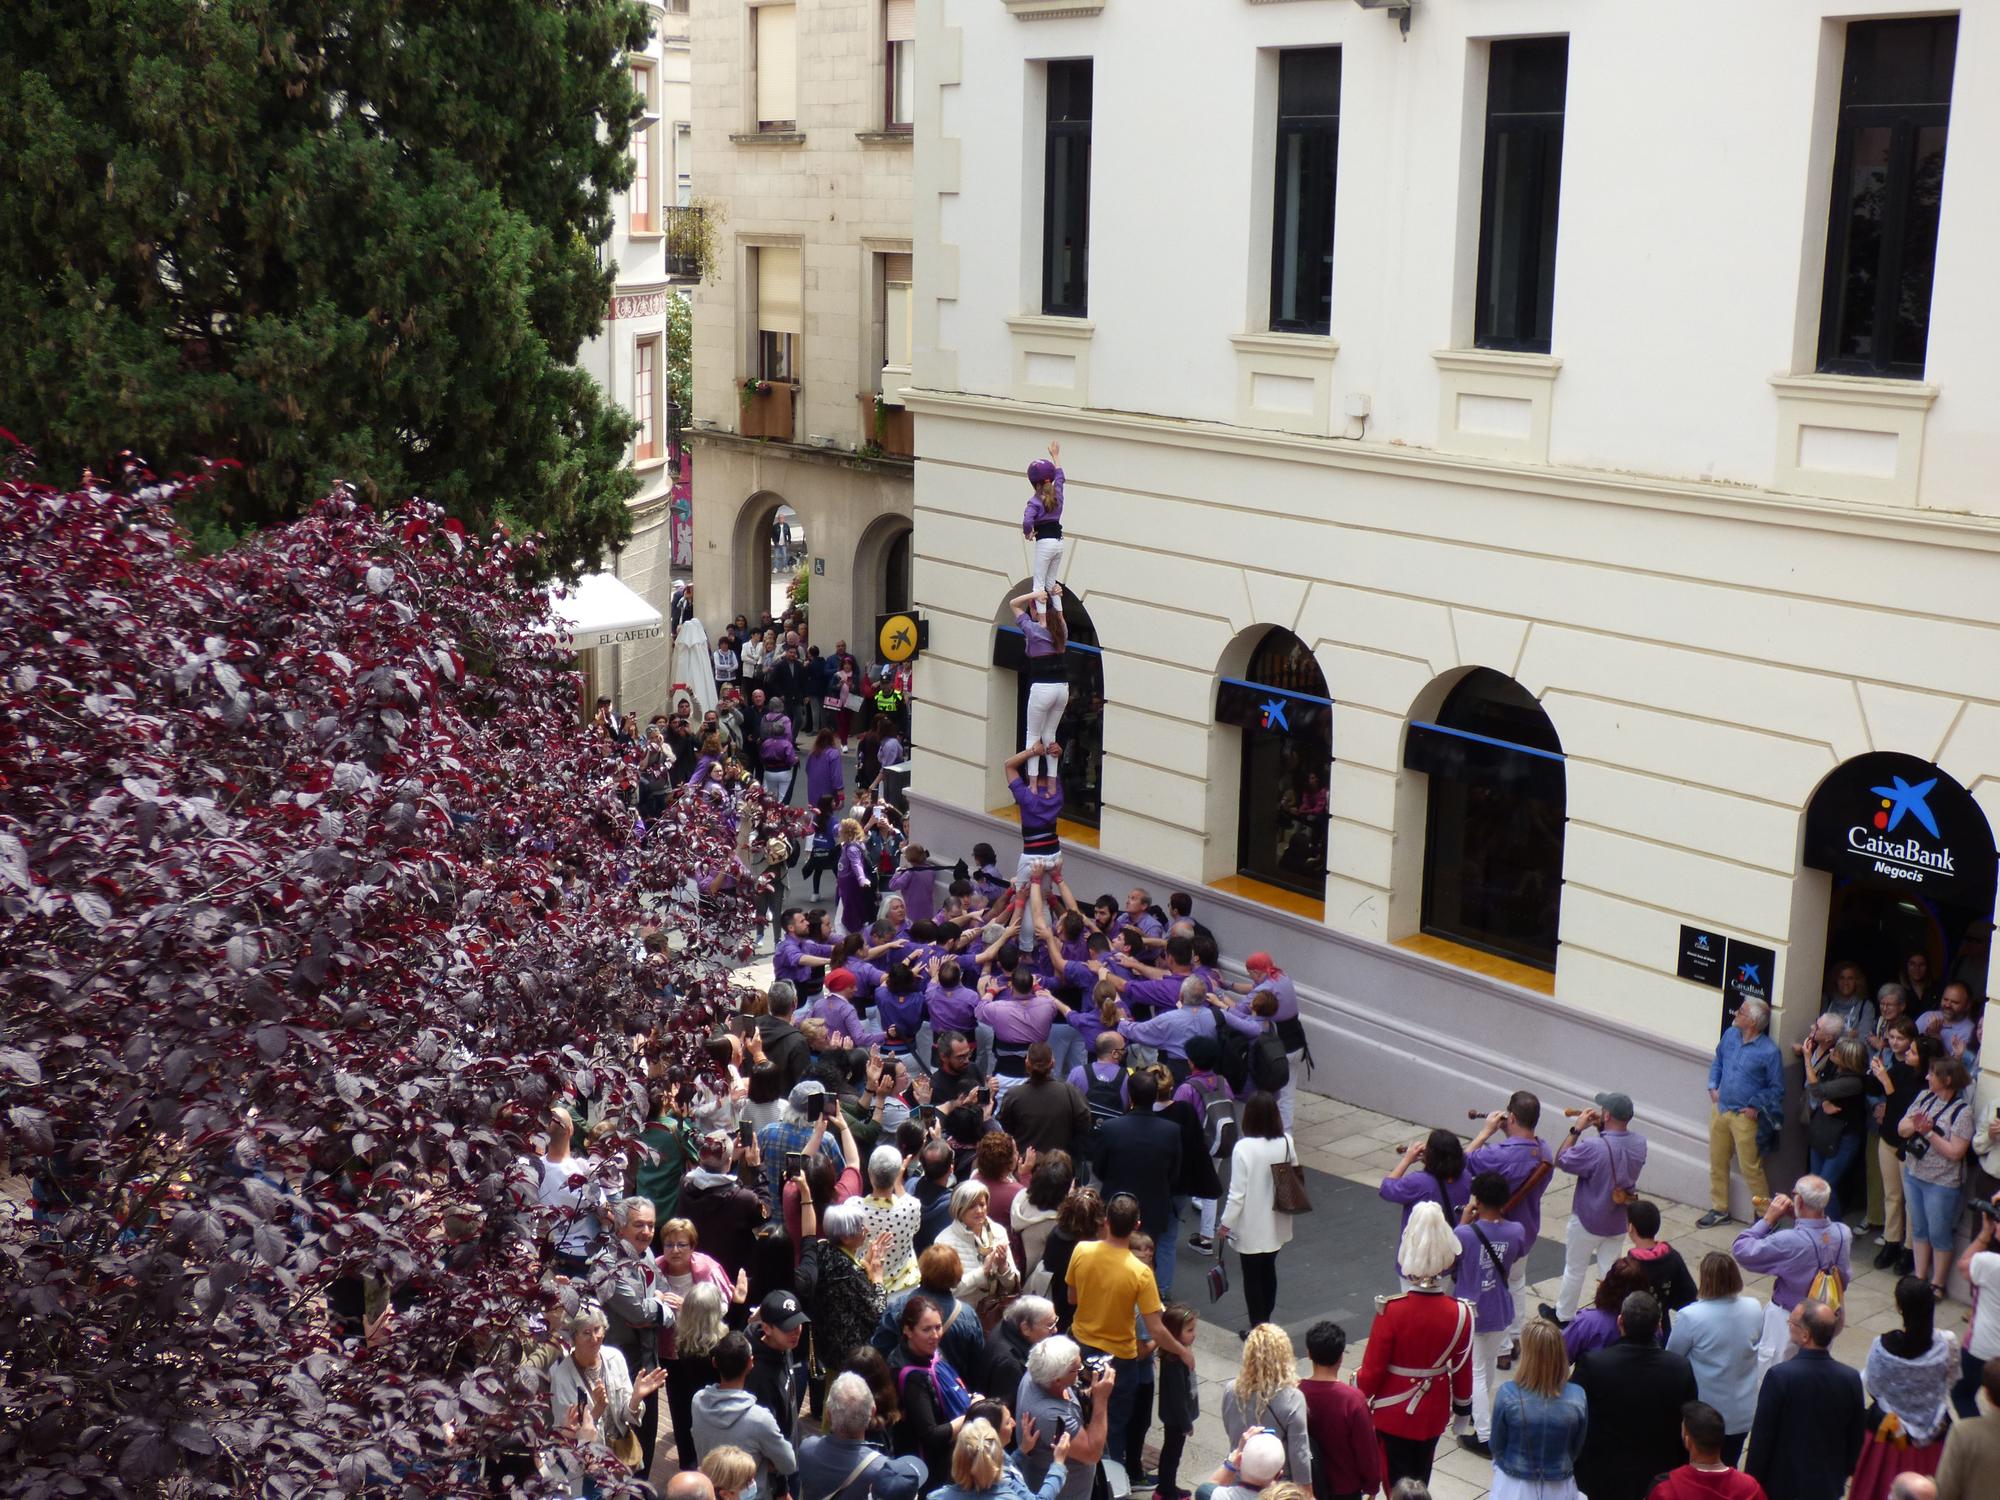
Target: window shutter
900	18
778	299
777	64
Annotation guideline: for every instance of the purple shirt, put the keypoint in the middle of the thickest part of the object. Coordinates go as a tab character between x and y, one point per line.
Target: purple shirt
1479	1281
1095	1072
1153	994
902	1014
1037	511
1040	640
1418	1186
1039	811
919	892
1170	1030
853	876
1794	1256
1146	922
951	1010
1018	1022
1611	1159
1281	986
842	1019
823	778
785	962
1592	1328
1515	1158
1203	1089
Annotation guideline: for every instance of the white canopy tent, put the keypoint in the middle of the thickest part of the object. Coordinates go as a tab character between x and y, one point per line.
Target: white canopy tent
601	610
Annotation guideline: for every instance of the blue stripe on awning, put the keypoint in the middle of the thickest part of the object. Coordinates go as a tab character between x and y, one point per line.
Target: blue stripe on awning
1485	739
1073	645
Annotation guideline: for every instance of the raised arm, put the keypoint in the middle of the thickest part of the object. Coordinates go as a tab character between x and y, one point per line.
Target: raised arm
1014	763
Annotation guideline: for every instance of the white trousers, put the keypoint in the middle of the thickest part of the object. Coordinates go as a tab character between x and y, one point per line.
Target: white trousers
1031	868
1580	1246
1290	1092
1485	1379
1517	1288
1047	702
1048	562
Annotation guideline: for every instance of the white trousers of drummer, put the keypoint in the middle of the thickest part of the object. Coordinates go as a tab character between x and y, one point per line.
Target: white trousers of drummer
1048	562
1046	703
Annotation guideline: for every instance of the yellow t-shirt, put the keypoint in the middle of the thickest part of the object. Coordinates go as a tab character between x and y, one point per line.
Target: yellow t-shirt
1108	1286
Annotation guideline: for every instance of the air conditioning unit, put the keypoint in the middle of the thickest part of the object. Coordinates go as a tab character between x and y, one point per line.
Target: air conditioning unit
1400	9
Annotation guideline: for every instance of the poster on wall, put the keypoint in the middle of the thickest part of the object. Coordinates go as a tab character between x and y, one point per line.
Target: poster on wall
1749	972
1701	956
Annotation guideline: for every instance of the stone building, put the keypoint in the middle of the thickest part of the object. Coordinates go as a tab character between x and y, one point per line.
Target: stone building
1531	494
802	129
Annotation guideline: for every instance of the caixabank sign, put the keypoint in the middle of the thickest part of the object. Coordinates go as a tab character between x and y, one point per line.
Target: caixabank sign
1897	820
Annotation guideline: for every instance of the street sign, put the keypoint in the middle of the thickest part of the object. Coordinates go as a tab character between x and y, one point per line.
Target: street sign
1701	956
902	635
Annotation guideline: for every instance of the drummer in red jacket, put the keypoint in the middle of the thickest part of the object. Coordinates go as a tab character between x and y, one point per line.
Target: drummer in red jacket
1417	1373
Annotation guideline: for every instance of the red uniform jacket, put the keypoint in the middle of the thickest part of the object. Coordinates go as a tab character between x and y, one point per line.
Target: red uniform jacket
1419	1364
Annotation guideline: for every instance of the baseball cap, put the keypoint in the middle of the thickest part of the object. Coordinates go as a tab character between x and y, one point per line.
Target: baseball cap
781	1310
802	1097
1618	1106
1041	471
841	981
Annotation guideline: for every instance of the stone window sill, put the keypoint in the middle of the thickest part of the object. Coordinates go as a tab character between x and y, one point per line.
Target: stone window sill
1044	326
1050	10
769	138
1848	437
885	137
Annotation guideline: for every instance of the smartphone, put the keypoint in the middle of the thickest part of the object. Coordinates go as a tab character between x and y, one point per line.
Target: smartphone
743	1025
795	1163
830	1106
746	1134
927	1111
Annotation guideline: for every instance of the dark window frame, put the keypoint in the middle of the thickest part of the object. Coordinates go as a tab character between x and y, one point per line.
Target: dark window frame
1510	756
1906	122
1066	176
1299	131
1082	769
1276	665
1512	127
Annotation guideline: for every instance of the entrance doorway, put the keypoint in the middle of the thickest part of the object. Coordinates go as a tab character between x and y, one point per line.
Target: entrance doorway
1912	861
788	556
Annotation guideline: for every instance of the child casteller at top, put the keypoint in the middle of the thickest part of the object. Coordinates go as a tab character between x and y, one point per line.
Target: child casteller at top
1042	522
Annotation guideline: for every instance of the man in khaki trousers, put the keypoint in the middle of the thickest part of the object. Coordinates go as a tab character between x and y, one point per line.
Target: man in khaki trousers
1746	1081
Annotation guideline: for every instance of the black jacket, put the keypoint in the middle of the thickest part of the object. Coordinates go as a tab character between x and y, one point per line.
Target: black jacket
1808	1428
1140	1154
1197	1175
786	1049
777	1380
725	1212
1006	1363
1635	1391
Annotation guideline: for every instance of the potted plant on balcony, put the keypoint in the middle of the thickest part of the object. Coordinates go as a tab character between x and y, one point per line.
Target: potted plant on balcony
766	408
891	428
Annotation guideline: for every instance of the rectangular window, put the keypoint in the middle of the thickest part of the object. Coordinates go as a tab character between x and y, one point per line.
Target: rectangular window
1066	192
683	165
777	66
899	26
645	370
1302	204
896	312
779	312
645	146
1525	84
1888	186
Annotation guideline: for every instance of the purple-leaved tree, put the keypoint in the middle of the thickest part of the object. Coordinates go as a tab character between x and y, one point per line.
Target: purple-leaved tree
315	899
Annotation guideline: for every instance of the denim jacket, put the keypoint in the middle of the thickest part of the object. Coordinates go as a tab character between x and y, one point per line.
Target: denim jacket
1537	1438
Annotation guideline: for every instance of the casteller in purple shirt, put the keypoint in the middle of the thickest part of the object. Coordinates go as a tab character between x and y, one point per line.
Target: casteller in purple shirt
1515	1158
1479	1281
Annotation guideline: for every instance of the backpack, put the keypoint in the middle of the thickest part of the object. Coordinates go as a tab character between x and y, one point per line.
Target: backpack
1828	1285
1104	1096
1270	1069
1219	1118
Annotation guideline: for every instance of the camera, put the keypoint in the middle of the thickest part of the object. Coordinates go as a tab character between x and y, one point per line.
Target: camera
1987	1207
1097	1364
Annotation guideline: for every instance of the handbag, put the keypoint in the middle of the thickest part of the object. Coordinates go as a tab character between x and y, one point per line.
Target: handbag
627	1451
1218	1276
1288	1185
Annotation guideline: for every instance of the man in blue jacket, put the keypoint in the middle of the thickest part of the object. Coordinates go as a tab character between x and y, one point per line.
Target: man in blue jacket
1746	1084
841	1465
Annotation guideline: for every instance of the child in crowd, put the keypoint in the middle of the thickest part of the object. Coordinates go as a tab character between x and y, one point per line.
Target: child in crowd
1041	523
1673	1287
1180	1403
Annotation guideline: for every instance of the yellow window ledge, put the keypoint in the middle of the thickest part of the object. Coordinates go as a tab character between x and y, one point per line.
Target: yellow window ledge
1265	894
1527	976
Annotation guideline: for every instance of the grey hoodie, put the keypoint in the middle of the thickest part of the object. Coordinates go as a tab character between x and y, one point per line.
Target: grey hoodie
735	1416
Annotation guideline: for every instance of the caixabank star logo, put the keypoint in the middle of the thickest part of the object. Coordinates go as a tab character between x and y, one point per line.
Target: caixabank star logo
1910	857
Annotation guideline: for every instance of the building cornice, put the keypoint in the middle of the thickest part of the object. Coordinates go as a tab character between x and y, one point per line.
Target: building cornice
839	458
1722	501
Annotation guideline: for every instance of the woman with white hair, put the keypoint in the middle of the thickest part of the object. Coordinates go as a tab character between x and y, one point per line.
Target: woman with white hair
840	1282
889	1210
985	1256
592	1394
1417	1372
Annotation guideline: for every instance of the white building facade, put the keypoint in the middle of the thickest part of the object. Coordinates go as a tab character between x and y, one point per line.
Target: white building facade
1530	480
629	356
802	141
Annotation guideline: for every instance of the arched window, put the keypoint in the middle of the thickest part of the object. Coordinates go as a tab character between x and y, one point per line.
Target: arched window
1082	732
1282	707
1493	841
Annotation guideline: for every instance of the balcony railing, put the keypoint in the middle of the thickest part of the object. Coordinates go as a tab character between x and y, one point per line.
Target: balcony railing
684	243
